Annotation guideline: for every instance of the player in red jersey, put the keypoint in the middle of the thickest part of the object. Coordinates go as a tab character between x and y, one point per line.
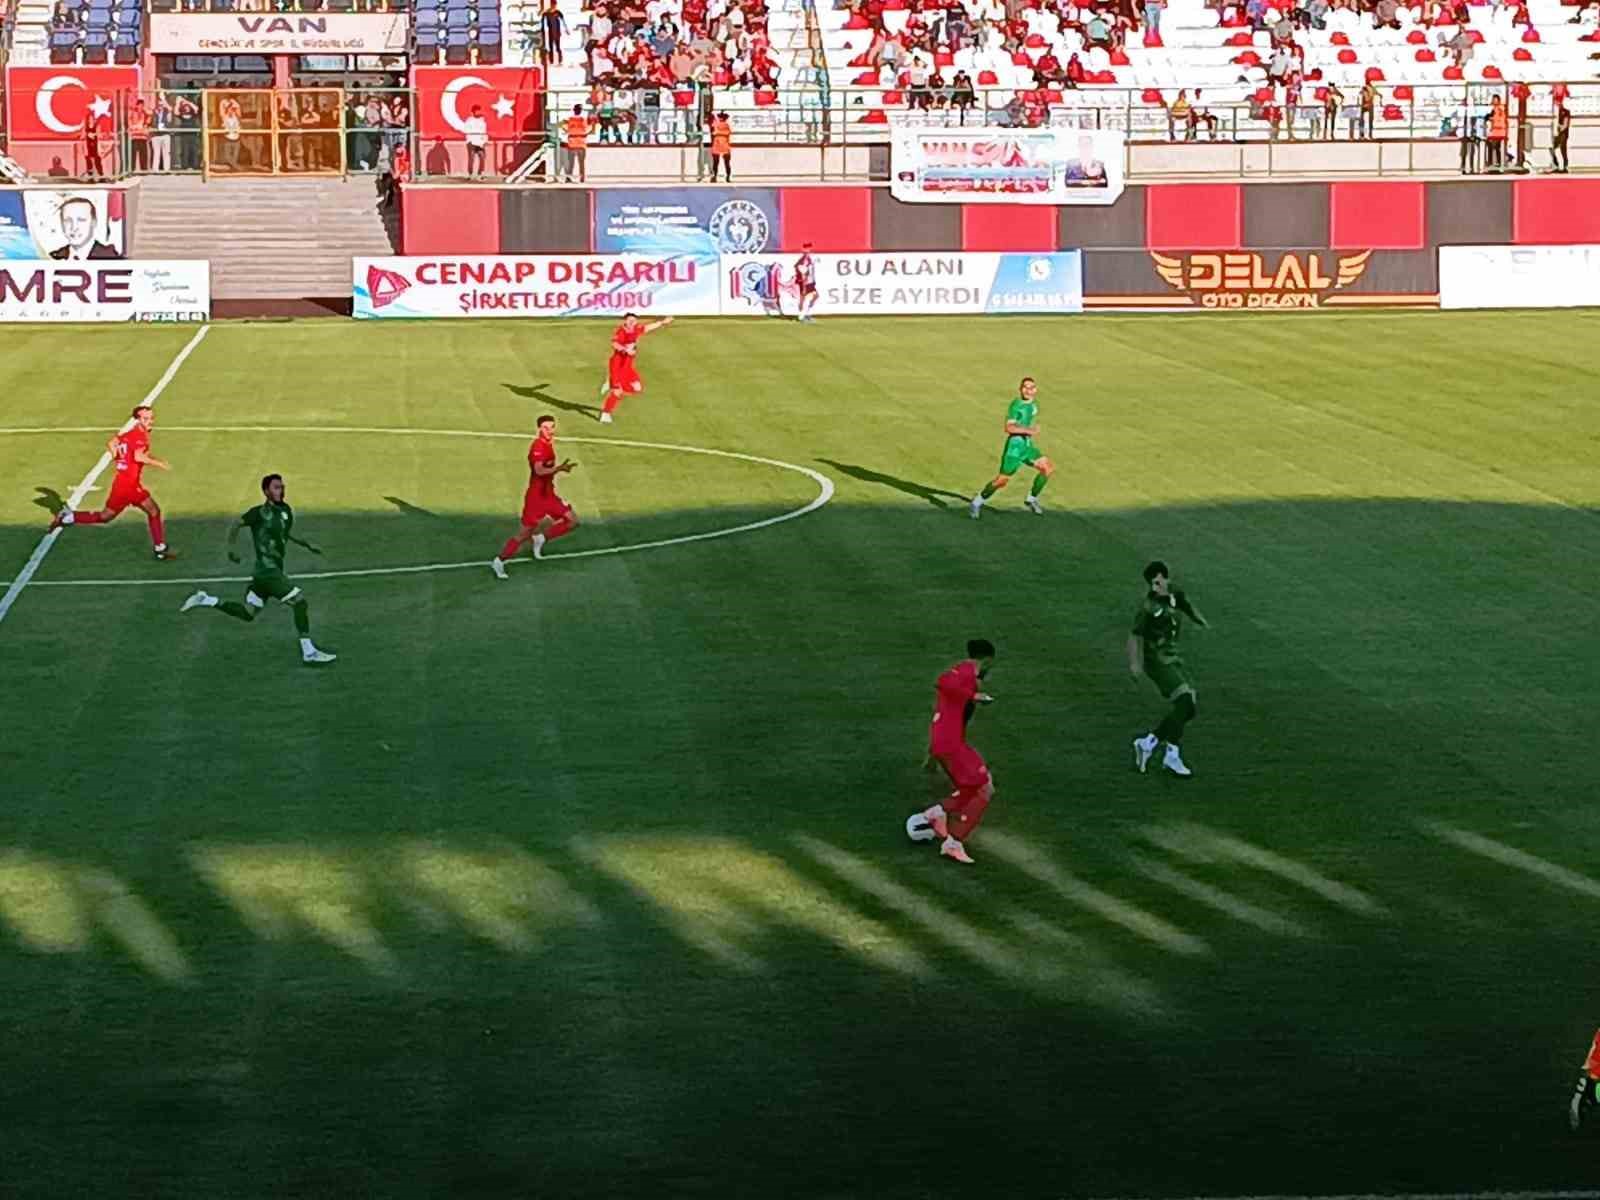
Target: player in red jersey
805	281
545	515
1584	1095
130	453
956	694
622	373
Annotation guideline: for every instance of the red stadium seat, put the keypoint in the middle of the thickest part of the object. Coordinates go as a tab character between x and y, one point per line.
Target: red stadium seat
864	59
858	22
987	79
1375	75
1106	78
1426	55
1474	37
1531	34
944	59
894	99
1242	38
1151	96
1492	72
1392	112
1321	94
1035	41
865	79
1248	59
1152	40
1339	39
875	117
1453	74
1019	59
1119	58
1417	38
1404	92
1347	56
766	97
683	99
1052	96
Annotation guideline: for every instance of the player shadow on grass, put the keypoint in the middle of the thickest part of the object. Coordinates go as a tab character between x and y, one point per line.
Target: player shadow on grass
50	500
934	496
538	392
409	509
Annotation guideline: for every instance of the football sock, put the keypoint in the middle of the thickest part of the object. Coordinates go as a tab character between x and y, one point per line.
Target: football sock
989	489
509	550
560	529
962	822
1183	711
307	646
613	398
302	618
88	518
234	609
158	532
1039	481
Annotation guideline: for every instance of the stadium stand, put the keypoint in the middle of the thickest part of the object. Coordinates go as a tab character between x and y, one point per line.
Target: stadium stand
1258	67
458	32
91	32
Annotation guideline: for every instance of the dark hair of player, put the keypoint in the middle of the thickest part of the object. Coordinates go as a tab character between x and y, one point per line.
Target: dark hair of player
980	648
1156	568
547	419
1023	380
266	481
143	408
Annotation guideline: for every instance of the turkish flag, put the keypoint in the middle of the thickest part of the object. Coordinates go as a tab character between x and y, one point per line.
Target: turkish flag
511	100
50	104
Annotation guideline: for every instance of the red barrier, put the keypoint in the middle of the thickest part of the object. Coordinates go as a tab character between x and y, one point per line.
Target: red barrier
1003	227
1555	212
1193	216
1377	216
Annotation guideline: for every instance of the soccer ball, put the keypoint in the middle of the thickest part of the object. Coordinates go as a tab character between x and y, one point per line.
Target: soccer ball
918	829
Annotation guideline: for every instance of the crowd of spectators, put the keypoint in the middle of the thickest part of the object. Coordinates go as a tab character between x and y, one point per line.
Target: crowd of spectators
651	45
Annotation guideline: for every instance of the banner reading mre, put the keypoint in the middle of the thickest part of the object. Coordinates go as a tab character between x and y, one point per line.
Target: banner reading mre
577	285
143	290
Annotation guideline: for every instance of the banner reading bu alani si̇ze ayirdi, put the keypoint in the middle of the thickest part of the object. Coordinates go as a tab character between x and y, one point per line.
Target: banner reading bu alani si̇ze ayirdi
1006	166
573	285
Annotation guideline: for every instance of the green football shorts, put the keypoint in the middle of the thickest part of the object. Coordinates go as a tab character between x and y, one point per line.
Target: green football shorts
1018	453
276	586
1171	679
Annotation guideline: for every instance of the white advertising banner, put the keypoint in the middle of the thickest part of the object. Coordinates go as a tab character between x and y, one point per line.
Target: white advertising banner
109	290
555	285
1005	166
279	33
874	284
1519	276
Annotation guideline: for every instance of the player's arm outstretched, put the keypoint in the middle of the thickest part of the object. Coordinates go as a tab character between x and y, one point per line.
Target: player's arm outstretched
655	325
1135	656
301	542
233	536
1185	606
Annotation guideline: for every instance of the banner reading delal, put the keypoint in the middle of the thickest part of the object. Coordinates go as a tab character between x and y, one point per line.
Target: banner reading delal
1006	166
567	285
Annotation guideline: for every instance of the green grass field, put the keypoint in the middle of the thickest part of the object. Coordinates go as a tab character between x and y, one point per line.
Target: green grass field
593	882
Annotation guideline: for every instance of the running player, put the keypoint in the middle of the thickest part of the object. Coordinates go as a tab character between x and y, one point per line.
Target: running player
545	515
130	452
955	692
805	279
622	373
1022	425
271	526
1583	1096
1153	653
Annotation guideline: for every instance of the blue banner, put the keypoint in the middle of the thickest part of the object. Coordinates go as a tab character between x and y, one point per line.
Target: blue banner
702	222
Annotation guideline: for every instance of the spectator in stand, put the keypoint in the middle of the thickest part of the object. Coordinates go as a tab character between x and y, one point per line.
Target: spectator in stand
476	127
1048	71
1460	46
1098	31
602	100
64	19
161	135
1152	18
1497	135
93	167
623	113
554	27
1279	65
1471	138
917	83
1255	12
1560	128
1075	71
186	120
1291	101
1332	100
139	134
962	94
1367	124
386	189
1200	115
574	163
1317	13
1388	14
721	147
956	24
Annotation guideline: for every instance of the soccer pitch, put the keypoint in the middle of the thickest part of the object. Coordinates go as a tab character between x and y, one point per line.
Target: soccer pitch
593	882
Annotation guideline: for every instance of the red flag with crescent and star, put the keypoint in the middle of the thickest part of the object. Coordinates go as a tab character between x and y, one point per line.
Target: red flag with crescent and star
50	104
511	100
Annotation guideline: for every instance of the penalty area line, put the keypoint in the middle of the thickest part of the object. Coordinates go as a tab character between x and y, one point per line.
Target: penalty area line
825	492
75	497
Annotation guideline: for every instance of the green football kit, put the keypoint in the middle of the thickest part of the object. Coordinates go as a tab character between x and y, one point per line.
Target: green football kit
1019	450
1157	624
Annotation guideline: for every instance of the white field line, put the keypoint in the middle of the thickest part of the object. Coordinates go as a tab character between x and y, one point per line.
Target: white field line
1510	856
825	488
25	576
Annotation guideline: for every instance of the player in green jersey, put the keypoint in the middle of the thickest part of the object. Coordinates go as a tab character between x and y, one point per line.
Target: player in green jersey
271	526
1153	653
1022	424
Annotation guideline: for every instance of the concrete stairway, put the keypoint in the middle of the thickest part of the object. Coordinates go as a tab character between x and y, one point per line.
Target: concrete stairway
267	238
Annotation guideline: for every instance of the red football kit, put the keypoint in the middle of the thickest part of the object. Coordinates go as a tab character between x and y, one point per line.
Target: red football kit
540	500
1592	1063
805	275
623	370
127	490
947	733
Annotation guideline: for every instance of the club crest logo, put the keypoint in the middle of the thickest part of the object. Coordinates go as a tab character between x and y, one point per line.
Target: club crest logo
385	287
740	227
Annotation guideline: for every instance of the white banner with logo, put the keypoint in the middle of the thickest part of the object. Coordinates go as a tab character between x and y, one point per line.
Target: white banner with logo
279	33
565	285
1519	276
1048	165
89	290
870	284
